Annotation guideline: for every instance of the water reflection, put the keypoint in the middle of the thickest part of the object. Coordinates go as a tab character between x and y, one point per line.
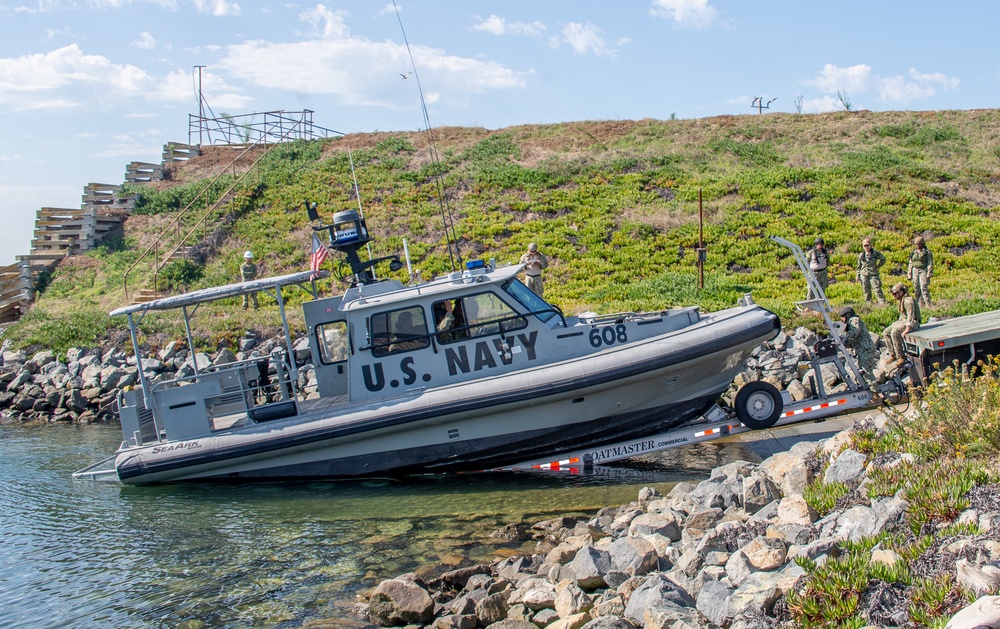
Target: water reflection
87	554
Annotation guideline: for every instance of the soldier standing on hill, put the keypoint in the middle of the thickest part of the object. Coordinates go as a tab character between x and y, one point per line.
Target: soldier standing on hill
534	263
248	271
919	271
818	259
870	261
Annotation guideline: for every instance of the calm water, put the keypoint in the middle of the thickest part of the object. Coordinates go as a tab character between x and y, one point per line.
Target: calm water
84	554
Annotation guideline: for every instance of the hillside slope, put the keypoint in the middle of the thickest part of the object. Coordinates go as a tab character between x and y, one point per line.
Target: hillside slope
613	204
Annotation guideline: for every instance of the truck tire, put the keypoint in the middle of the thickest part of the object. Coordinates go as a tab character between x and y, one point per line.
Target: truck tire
758	405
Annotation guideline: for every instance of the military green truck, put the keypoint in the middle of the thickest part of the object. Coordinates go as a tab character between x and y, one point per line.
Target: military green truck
939	344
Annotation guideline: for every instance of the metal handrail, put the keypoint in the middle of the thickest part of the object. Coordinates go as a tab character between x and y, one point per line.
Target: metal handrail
175	223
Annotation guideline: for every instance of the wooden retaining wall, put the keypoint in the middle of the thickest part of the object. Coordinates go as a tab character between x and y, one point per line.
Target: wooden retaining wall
15	291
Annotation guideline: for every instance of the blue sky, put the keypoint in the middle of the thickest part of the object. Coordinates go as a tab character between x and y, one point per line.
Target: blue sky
87	86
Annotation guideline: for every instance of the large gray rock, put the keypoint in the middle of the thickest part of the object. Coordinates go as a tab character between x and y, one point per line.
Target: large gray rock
20	379
758	492
717	492
493	608
713	603
589	566
765	553
397	602
534	593
571	601
608	622
666	524
666	616
224	357
846	468
513	624
738	568
656	590
702	518
73	400
632	555
757	594
794	509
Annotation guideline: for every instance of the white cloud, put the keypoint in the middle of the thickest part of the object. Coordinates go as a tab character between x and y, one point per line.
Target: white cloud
497	25
832	79
687	13
325	22
357	71
145	41
820	105
218	8
67	78
859	79
583	39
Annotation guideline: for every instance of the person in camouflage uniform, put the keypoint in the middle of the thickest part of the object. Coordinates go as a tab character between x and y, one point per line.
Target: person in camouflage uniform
857	337
919	271
248	271
534	263
818	259
909	321
870	260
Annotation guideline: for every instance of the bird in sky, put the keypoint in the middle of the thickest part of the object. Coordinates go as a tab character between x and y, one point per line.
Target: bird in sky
405	76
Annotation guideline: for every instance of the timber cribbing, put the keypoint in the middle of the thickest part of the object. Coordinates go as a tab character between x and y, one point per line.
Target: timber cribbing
62	232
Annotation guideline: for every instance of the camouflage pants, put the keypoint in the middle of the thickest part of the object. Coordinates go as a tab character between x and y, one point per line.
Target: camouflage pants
247	298
534	282
823	279
867	361
921	287
893	338
870	283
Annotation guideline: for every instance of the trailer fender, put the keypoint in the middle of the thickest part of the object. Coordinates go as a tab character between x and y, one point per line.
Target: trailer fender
758	405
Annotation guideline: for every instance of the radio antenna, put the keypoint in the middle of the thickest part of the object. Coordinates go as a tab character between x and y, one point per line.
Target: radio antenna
446	213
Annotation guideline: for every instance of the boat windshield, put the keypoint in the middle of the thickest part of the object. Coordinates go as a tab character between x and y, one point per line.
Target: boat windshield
535	304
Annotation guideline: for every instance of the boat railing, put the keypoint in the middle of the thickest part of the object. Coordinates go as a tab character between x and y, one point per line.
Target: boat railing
224	396
103	470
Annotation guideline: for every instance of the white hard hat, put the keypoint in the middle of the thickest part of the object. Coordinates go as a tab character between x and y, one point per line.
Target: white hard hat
248	255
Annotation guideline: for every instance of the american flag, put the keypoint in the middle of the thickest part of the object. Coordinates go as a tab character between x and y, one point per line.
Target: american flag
319	253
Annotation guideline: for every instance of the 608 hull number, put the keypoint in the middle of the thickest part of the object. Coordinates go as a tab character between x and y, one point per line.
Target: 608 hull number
608	335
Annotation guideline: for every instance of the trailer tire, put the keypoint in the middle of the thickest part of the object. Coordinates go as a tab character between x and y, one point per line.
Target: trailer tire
758	405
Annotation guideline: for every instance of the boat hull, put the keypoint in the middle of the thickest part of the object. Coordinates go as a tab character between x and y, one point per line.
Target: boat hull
627	392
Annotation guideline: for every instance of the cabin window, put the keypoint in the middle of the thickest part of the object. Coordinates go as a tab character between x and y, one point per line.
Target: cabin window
476	315
331	339
535	304
398	331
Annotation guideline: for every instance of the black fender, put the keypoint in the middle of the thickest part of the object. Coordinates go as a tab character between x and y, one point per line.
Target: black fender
758	405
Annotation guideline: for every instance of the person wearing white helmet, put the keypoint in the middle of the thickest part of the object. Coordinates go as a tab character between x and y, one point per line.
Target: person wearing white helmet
248	271
534	263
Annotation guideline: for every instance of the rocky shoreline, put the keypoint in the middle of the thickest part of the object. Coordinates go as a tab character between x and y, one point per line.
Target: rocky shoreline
725	552
83	386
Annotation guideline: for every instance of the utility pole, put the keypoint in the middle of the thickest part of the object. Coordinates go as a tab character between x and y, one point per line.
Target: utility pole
702	253
201	107
759	105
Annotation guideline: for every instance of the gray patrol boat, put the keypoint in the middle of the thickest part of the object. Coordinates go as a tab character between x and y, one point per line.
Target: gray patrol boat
468	371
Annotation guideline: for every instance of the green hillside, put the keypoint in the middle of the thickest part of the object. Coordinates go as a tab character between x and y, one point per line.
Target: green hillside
613	204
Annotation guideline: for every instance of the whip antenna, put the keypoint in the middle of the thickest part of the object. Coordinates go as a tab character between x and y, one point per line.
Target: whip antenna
446	214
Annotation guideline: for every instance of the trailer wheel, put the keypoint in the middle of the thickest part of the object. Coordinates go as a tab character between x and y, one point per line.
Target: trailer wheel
758	405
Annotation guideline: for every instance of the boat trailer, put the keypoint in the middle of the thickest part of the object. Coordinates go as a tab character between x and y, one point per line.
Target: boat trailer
758	405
